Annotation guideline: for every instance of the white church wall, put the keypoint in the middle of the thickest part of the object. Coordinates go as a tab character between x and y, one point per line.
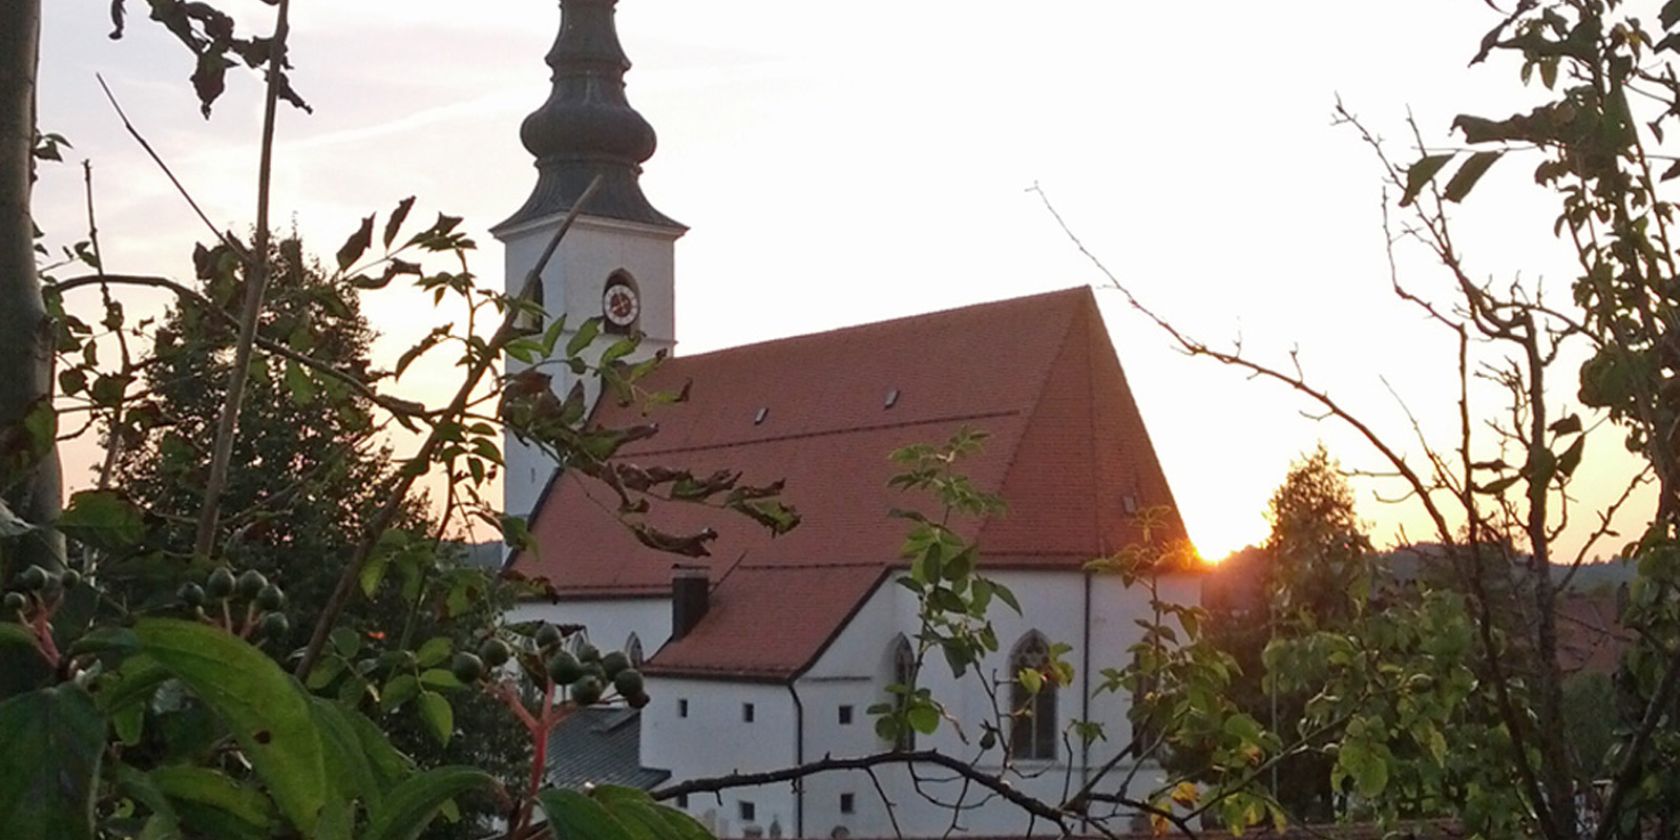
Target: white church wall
854	671
608	621
698	728
573	282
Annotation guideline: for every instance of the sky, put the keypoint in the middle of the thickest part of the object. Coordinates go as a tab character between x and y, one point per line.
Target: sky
840	163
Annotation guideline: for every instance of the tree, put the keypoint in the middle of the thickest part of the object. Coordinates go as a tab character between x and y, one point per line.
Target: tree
29	471
310	461
1313	573
1499	495
310	464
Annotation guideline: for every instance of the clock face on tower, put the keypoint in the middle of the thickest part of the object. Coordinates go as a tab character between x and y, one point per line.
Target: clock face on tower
620	304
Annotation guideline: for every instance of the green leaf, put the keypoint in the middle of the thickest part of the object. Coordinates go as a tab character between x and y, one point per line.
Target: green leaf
131	685
51	745
14	634
398	690
439	678
129	724
389	763
1571	457
413	804
438	714
373	573
577	817
325	671
267	712
299	383
587	331
394	224
102	519
1467	175
346	641
214	790
923	718
434	651
357	243
1366	765
349	763
163	824
1420	174
1030	679
643	817
1005	595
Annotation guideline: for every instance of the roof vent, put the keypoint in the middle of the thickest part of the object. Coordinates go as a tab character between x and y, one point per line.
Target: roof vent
892	399
758	419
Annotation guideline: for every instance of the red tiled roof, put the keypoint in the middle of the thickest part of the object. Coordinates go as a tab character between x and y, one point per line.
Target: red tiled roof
1066	449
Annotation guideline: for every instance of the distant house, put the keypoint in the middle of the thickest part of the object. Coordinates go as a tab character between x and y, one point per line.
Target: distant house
769	652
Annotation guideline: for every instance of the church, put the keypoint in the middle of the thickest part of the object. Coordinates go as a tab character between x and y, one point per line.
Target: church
769	652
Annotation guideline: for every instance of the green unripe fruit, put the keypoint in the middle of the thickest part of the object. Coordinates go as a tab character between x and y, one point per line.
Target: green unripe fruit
988	740
54	586
251	583
564	668
275	627
467	667
32	578
586	691
614	662
594	669
71	578
628	682
220	585
191	594
494	652
271	597
547	636
637	701
587	652
15	602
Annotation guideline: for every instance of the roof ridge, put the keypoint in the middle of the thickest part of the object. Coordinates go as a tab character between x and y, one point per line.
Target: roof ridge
895	322
842	430
800	567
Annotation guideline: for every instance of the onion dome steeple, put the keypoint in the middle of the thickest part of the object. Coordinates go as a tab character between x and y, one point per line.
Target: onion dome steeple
587	126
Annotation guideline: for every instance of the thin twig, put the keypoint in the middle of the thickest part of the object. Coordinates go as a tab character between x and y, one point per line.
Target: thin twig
397	493
256	285
168	173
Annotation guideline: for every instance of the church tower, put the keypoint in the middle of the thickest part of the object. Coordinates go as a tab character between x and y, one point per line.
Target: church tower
617	262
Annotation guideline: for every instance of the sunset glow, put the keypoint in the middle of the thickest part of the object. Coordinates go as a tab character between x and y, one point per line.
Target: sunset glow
843	164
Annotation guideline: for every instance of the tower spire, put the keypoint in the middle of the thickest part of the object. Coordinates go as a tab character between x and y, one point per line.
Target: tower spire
587	126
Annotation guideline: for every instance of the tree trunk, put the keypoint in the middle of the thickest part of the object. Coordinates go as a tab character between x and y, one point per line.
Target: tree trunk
33	493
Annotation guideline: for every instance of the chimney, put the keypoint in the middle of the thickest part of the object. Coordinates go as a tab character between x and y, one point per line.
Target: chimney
690	594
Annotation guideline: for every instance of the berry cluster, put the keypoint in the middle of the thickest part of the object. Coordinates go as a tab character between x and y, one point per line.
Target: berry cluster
585	673
263	602
39	591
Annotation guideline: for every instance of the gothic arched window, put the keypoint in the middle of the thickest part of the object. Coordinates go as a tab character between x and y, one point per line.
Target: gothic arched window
1032	731
633	650
902	671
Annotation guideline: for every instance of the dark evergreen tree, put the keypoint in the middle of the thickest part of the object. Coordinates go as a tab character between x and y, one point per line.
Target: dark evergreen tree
308	465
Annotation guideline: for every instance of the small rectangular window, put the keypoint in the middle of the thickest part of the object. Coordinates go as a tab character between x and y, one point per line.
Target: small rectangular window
848	803
747	712
682	801
845	715
682	708
747	811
